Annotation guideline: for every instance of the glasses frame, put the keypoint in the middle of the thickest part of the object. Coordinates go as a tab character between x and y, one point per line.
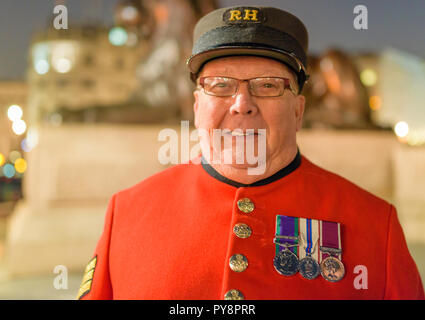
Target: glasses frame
286	82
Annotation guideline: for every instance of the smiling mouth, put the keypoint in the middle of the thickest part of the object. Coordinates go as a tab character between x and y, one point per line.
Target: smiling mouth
239	133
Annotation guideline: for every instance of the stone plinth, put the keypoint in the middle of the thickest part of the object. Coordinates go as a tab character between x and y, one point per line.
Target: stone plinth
40	239
363	157
71	175
409	190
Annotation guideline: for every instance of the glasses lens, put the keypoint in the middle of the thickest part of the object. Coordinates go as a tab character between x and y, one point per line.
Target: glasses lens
267	87
220	86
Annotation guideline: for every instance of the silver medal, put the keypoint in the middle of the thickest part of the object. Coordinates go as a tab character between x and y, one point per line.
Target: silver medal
286	263
309	268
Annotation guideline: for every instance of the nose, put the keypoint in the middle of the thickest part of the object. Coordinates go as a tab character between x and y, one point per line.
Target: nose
243	102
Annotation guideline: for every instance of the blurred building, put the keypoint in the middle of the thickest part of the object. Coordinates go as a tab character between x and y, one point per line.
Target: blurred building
369	72
367	91
133	72
402	89
395	82
75	71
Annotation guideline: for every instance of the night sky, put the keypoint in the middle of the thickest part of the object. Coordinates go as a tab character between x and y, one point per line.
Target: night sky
392	23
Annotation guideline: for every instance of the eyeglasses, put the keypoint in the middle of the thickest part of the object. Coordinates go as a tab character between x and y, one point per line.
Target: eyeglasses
258	87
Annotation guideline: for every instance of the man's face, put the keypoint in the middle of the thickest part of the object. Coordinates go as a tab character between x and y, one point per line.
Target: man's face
281	116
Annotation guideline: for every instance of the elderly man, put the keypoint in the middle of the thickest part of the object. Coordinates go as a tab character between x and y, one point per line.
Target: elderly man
213	230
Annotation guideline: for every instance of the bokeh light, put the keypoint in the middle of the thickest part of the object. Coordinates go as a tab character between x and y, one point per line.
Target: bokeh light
129	13
9	170
14	155
62	65
401	129
19	127
32	138
41	66
375	103
20	165
40	56
14	112
2	159
368	77
25	146
118	36
63	54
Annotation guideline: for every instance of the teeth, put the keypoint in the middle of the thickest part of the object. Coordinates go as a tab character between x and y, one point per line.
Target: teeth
238	133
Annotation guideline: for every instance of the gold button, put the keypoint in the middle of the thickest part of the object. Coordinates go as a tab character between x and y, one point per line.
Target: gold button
242	230
245	205
234	294
238	262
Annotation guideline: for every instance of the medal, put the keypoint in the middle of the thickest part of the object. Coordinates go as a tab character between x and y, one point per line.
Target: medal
286	258
308	267
286	263
331	267
321	242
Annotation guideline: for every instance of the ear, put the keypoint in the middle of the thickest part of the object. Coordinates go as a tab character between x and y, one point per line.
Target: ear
195	107
299	111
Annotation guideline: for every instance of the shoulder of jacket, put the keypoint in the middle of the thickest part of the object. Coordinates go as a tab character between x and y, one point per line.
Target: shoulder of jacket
163	179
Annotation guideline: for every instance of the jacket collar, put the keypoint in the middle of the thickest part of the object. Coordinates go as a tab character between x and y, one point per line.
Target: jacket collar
278	175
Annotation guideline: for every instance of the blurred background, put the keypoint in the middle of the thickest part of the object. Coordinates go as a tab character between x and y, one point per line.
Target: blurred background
81	109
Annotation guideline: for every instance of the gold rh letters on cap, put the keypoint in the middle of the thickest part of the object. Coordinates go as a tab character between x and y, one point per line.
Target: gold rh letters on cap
251	15
243	15
235	15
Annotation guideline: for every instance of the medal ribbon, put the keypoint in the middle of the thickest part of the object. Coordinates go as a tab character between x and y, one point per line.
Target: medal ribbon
309	229
287	226
309	241
330	238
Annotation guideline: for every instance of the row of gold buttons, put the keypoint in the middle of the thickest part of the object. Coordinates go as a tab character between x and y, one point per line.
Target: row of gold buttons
238	262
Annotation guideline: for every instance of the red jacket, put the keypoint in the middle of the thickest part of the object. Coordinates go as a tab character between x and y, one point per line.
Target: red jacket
171	237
